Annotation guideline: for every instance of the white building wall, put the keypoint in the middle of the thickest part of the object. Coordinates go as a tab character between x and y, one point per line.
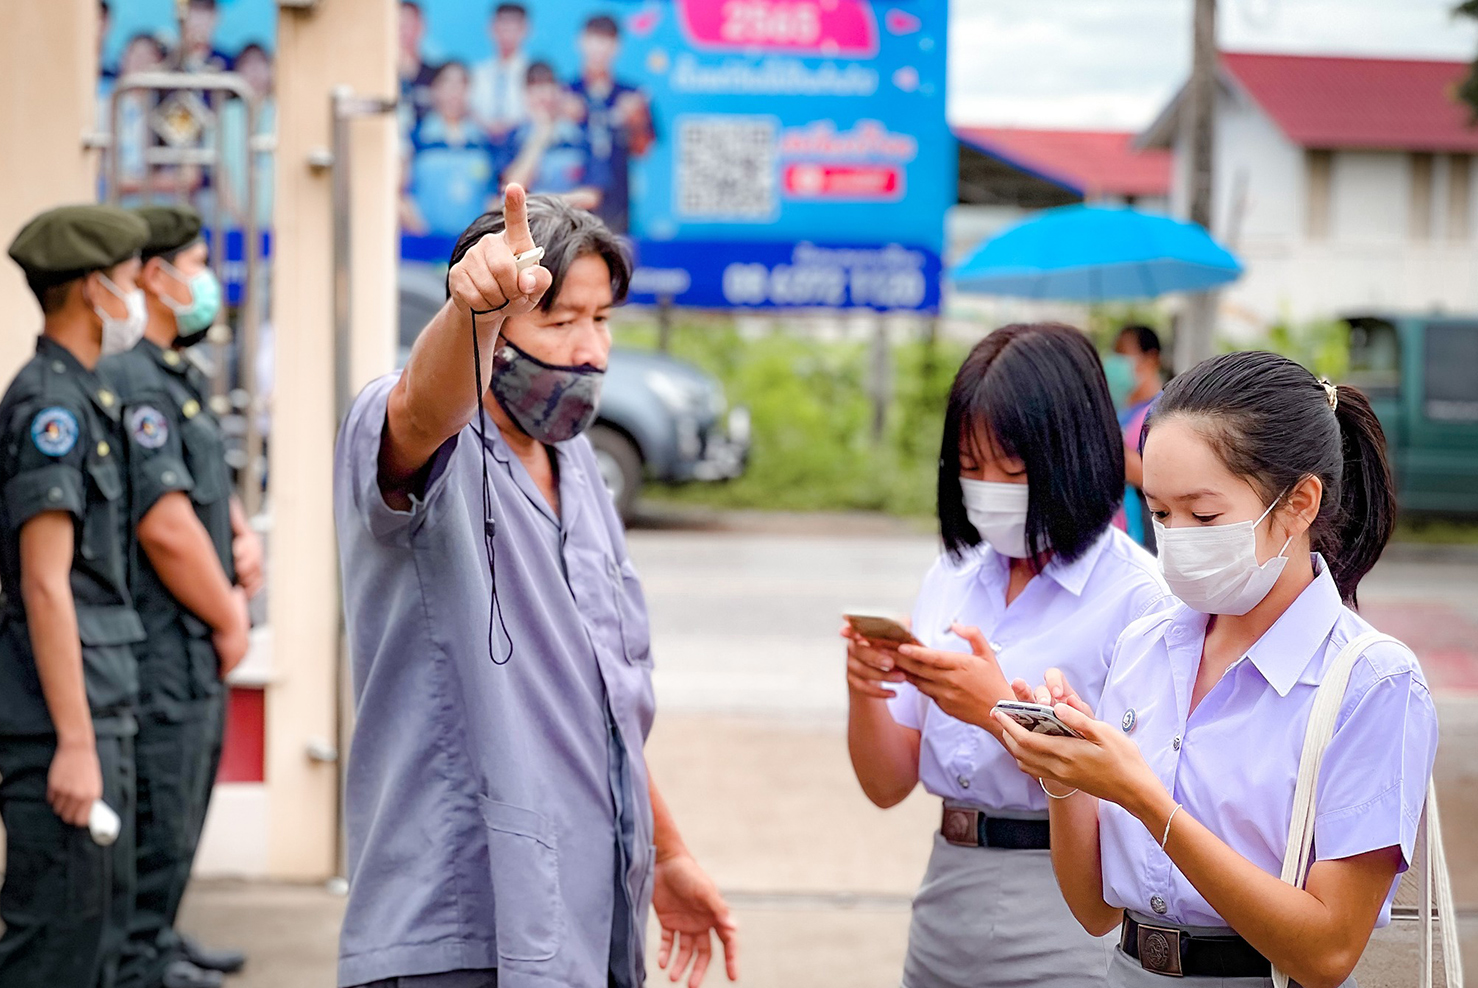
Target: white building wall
1368	260
1258	181
1472	197
1369	197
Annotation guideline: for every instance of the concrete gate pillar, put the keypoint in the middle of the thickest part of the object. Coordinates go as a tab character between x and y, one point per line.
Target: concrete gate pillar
332	43
48	73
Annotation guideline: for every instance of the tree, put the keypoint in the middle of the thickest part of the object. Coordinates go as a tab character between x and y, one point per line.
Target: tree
1468	90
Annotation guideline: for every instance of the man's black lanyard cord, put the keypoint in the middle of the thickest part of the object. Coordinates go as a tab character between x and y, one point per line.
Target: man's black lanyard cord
489	527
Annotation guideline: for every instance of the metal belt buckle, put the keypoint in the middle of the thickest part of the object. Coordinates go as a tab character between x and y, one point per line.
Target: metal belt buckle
1159	950
961	827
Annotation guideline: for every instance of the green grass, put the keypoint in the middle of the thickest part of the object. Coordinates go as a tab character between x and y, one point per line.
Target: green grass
1436	531
813	448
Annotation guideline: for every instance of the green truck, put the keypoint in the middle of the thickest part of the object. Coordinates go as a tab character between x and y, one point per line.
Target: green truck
1421	373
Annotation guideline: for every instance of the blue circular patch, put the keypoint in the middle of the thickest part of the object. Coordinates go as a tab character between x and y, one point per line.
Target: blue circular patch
54	431
150	428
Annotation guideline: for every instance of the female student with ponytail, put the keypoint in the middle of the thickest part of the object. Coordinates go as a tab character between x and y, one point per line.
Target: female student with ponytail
1272	497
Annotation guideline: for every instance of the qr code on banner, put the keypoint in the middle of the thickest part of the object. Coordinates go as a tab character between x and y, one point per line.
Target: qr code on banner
726	167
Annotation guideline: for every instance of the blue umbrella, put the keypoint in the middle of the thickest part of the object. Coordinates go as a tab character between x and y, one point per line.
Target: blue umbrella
1094	253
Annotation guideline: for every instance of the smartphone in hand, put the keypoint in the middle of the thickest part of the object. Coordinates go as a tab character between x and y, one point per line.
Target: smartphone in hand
1038	718
879	629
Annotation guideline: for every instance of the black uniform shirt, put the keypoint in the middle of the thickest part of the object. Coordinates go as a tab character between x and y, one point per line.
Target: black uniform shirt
174	443
61	449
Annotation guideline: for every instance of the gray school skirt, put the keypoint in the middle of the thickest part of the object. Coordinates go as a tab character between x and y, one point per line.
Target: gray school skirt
992	918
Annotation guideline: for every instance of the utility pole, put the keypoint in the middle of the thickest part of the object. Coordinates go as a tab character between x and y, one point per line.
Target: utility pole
1195	336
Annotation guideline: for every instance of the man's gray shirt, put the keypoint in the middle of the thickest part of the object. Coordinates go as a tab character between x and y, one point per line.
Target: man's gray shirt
498	815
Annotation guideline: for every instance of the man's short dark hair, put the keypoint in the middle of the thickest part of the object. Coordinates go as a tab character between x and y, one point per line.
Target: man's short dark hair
511	9
207	4
52	288
1037	392
1145	338
566	234
603	24
538	72
51	294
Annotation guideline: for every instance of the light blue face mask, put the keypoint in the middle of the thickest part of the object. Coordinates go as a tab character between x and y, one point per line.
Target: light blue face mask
1118	368
193	321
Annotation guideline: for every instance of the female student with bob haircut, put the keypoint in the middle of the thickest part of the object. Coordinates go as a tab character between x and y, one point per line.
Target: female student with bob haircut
1272	497
1031	471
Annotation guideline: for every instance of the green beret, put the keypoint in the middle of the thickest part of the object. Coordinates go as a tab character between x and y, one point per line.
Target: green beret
70	241
170	228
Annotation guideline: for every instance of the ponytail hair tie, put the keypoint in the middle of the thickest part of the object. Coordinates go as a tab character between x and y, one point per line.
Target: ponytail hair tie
1331	393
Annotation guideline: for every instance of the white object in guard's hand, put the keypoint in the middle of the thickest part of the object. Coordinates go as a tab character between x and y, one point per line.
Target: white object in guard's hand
103	824
528	258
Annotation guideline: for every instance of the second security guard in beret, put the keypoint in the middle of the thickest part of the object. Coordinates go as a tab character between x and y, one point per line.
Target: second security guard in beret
187	587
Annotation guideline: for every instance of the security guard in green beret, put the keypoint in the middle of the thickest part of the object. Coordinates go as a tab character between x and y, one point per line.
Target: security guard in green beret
184	583
68	628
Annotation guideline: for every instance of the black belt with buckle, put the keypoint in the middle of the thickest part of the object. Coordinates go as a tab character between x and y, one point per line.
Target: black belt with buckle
1176	953
972	828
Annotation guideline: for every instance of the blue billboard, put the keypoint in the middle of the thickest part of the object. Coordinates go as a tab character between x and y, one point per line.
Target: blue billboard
758	153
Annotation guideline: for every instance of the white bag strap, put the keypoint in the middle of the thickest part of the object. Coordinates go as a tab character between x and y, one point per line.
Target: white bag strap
1327	702
1436	874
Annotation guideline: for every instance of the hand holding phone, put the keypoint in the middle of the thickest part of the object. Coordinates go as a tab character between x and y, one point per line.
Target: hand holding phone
872	642
1039	718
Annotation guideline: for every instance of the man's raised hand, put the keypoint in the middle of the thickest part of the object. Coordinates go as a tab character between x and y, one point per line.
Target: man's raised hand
487	276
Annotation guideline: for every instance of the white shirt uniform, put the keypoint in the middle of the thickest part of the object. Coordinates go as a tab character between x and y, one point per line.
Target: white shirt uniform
497	95
1233	762
1069	616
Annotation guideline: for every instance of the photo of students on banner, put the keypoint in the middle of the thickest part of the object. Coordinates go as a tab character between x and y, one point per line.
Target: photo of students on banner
470	130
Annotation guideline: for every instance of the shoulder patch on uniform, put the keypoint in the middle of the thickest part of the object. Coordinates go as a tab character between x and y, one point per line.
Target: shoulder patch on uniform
149	427
54	431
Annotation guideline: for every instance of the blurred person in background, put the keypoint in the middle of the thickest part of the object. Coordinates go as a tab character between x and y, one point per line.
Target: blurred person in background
107	74
498	80
415	74
137	181
617	119
451	172
1134	372
197	563
254	63
1031	472
198	52
553	155
503	828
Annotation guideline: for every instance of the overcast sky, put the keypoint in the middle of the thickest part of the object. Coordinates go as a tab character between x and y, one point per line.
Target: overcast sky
1112	64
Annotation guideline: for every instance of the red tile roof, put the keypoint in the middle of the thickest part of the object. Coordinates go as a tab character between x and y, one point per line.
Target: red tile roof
1089	162
1377	103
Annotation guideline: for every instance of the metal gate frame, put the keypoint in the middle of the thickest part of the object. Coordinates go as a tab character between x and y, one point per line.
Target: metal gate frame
212	159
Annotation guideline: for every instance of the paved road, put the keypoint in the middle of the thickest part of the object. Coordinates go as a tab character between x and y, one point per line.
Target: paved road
749	750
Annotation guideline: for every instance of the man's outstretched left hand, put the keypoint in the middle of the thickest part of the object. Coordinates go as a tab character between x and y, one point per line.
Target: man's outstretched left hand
689	907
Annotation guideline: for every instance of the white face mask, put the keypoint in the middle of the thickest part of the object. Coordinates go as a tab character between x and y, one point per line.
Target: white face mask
998	512
1214	569
121	334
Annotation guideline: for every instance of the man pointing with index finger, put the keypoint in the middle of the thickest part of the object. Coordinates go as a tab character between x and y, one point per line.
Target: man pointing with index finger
502	826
